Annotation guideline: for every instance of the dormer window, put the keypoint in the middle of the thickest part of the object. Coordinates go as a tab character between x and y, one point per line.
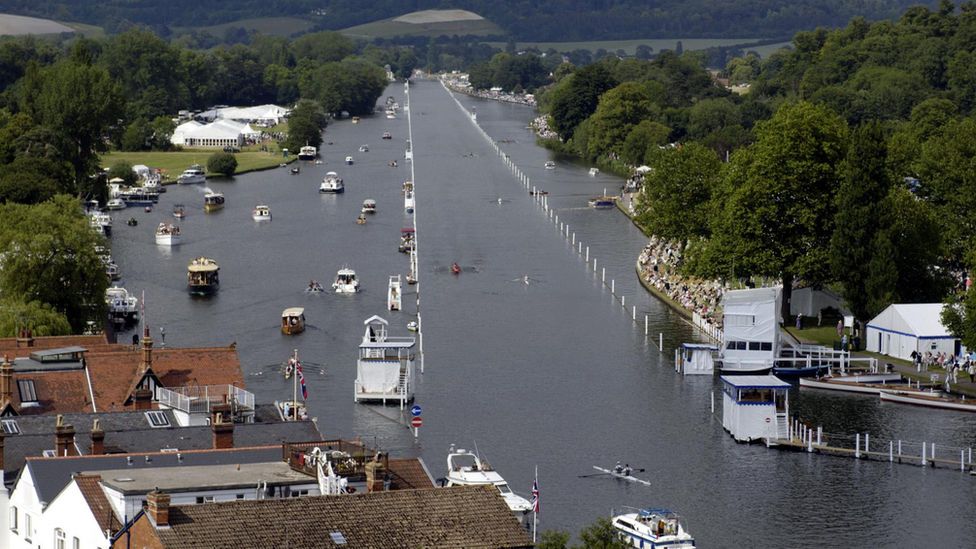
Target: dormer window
10	427
157	419
27	393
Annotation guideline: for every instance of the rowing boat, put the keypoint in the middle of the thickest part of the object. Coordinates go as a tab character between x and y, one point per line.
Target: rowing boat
622	476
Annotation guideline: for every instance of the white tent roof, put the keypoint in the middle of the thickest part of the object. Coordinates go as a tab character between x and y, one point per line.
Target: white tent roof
751	296
222	129
917	319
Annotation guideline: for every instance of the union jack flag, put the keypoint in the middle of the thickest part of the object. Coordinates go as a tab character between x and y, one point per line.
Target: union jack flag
301	379
535	496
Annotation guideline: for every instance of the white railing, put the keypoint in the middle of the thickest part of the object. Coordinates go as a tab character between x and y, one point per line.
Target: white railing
199	399
707	327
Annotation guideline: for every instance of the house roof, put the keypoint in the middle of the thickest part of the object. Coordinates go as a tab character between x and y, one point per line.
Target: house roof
410	473
9	345
917	319
474	517
58	392
228	476
100	508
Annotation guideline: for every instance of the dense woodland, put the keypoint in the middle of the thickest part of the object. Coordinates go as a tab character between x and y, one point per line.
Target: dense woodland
61	104
849	163
543	20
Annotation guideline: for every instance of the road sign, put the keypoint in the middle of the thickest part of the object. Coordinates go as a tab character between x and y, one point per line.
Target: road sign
767	420
417	421
415	410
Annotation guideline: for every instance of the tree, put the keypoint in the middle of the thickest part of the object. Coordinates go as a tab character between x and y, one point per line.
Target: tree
619	110
162	133
305	125
947	171
644	52
677	196
123	170
32	180
553	539
322	47
38	317
49	256
959	318
578	98
778	219
642	139
223	163
599	535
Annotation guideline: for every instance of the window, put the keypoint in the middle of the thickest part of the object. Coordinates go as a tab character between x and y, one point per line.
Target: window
27	392
28	526
10	427
59	539
240	496
50	453
767	346
298	493
13	518
75	543
337	538
157	419
753	345
732	319
205	499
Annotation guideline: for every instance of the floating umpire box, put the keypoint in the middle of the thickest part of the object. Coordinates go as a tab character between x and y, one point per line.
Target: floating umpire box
750	329
695	359
385	369
755	407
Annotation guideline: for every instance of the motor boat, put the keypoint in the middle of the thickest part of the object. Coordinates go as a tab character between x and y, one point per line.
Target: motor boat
355	120
349	161
346	281
369	206
412	326
394	294
293	321
594	171
550	165
122	306
194	174
115	204
167	234
407	239
390	113
363	148
466	469
307	152
113	271
295	169
386	135
101	222
261	212
179	211
314	287
203	275
653	527
331	183
408	202
213	201
602	202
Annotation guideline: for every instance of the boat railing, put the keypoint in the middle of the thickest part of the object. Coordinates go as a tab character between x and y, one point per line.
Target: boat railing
199	399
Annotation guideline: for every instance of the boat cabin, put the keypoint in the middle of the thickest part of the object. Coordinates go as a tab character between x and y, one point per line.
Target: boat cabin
202	275
653	527
293	321
394	294
369	206
355	120
385	369
695	359
213	201
755	407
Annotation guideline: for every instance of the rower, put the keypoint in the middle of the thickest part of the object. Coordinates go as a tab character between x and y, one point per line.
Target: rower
618	468
627	470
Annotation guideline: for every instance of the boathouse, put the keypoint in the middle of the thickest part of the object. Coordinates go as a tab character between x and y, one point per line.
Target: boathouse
906	327
751	329
755	407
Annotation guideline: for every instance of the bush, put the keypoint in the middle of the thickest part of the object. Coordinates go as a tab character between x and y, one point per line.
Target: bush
222	163
123	170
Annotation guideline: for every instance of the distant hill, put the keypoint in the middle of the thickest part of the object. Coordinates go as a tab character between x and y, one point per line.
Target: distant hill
428	23
272	26
17	25
538	20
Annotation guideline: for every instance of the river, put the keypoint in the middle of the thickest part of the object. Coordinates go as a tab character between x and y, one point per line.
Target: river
553	373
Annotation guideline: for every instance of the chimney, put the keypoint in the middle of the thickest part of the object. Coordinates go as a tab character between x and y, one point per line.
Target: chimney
97	440
222	426
143	398
147	344
2	436
6	380
158	508
25	338
64	438
375	473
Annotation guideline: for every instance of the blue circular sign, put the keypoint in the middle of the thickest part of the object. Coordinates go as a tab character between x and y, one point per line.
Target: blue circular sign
415	410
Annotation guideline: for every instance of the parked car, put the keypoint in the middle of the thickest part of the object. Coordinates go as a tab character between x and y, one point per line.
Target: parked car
230	149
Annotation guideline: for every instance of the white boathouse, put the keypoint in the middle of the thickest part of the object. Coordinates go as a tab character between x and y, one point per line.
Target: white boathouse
751	329
755	407
385	369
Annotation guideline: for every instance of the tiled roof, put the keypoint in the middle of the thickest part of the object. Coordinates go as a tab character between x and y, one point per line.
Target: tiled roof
113	373
8	345
410	473
63	392
100	508
473	517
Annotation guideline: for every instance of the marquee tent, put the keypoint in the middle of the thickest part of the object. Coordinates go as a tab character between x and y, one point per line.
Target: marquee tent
903	328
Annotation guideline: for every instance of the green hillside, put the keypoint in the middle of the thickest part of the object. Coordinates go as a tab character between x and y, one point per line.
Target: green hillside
396	26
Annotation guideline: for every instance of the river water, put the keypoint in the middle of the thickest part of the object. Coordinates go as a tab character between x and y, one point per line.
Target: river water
552	374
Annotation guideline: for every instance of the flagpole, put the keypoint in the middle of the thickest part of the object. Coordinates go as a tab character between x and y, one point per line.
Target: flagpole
535	508
294	395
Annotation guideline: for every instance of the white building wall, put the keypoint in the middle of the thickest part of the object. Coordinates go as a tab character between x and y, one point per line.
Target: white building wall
24	498
71	513
130	505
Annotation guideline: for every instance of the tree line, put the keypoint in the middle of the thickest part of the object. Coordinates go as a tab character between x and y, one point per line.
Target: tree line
848	164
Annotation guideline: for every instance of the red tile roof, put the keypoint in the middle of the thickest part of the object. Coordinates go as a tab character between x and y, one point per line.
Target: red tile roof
409	473
100	508
9	346
61	392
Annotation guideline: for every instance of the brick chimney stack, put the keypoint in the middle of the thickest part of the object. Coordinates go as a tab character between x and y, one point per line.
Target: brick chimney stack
6	380
25	338
97	440
2	436
222	424
64	438
158	508
143	398
375	473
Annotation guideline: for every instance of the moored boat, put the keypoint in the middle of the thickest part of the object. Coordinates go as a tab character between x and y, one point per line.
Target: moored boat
932	400
466	469
261	212
293	320
408	202
213	201
203	275
653	528
167	234
369	206
122	306
179	211
307	152
871	384
101	222
331	184
407	239
115	204
393	294
386	135
346	281
550	165
193	174
603	202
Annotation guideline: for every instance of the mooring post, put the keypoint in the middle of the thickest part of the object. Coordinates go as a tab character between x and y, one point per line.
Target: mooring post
962	460
613	286
924	461
660	341
866	439
594	264
634	314
713	401
899	451
645	324
587	254
623	302
604	276
857	446
574	239
891	450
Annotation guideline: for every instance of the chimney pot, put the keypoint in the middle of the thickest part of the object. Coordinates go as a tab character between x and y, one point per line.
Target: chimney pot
158	508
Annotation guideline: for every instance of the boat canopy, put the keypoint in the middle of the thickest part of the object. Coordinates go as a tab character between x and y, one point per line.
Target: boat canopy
407	230
293	311
203	265
369	202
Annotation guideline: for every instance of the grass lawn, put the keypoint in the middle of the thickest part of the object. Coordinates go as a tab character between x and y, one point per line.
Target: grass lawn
273	26
388	28
250	159
630	46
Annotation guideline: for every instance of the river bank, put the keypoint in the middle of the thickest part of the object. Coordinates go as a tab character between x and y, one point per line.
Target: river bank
173	163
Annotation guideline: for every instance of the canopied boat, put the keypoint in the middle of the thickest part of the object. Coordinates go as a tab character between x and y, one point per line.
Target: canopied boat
193	174
385	369
346	281
349	160
213	201
293	320
115	204
363	148
653	528
179	211
466	469
261	212
369	206
167	234
122	307
307	152
594	171
394	294
203	276
332	184
386	135
407	239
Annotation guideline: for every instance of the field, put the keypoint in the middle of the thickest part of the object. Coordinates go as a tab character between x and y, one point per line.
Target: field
90	31
273	26
17	25
426	23
173	163
630	46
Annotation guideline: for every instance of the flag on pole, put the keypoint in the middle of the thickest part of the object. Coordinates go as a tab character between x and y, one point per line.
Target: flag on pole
301	379
535	496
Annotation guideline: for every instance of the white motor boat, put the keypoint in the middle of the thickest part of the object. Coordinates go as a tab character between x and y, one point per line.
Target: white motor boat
101	222
349	161
261	212
594	171
363	148
307	152
408	202
331	183
653	528
193	175
115	204
369	206
466	469
346	281
394	294
550	165
122	307
167	234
